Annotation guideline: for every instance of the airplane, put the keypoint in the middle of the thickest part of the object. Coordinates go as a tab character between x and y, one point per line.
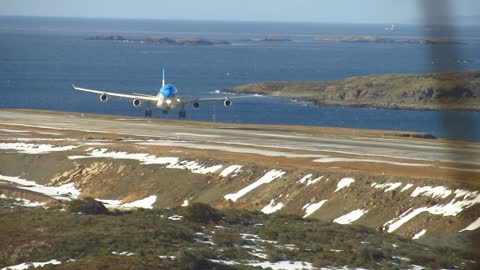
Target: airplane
166	99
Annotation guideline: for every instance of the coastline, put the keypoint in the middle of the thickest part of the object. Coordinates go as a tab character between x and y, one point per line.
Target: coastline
446	91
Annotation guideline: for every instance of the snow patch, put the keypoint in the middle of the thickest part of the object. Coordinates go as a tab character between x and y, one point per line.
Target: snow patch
280	265
233	169
419	234
146	203
30	148
475	225
185	203
311	182
175	217
450	209
143	203
194	167
388	186
401	258
22	202
146	159
345	182
459	193
272	207
143	158
433	192
124	253
283	265
311	208
407	186
167	257
267	178
28	265
351	217
63	192
307	179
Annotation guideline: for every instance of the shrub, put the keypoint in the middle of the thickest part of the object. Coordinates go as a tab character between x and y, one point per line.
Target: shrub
187	260
88	206
201	213
227	238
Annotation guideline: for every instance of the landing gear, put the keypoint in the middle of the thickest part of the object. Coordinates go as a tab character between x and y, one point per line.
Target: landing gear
164	112
182	113
148	112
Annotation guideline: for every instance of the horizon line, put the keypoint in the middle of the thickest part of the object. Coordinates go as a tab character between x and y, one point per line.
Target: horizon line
221	20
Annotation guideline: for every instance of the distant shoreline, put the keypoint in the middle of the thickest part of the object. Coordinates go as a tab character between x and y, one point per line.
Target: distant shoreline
450	91
161	40
379	39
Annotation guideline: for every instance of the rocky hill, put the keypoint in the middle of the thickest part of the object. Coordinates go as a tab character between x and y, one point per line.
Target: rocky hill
435	91
278	208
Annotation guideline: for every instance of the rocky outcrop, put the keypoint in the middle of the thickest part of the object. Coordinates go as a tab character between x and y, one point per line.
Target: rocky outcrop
436	91
379	39
397	205
161	40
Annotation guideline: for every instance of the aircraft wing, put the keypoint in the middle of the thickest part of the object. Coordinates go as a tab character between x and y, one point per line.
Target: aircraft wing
120	95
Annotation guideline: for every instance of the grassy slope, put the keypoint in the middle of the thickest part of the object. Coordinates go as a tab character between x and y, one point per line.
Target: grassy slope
452	90
35	234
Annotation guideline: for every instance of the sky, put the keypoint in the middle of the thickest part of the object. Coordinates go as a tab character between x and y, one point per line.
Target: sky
346	11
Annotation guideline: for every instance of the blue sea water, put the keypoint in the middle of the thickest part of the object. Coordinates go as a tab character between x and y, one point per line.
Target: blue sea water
41	57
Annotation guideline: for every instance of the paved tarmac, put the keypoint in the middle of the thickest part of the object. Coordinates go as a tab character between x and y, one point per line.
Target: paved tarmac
376	148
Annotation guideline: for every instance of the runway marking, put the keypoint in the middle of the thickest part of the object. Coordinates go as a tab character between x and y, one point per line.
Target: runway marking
231	149
197	135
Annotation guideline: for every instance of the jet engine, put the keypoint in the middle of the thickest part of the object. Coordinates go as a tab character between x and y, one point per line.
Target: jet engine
103	97
227	102
136	102
195	105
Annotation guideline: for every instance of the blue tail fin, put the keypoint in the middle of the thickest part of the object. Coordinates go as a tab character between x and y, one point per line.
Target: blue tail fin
163	77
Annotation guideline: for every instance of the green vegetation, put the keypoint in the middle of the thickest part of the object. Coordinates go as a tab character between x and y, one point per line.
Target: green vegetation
451	90
87	206
94	241
201	213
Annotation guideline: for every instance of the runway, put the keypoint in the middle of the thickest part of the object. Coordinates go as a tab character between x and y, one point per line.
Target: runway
287	139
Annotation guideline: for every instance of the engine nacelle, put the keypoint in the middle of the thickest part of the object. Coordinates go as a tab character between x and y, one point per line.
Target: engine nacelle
136	102
103	97
227	102
195	105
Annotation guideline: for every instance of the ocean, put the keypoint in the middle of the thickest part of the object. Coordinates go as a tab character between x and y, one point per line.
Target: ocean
42	57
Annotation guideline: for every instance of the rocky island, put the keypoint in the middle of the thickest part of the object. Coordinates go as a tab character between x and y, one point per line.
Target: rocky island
378	39
434	91
267	39
161	40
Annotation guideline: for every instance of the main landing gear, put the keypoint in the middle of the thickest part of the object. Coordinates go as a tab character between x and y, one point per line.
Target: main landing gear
148	112
164	112
182	113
